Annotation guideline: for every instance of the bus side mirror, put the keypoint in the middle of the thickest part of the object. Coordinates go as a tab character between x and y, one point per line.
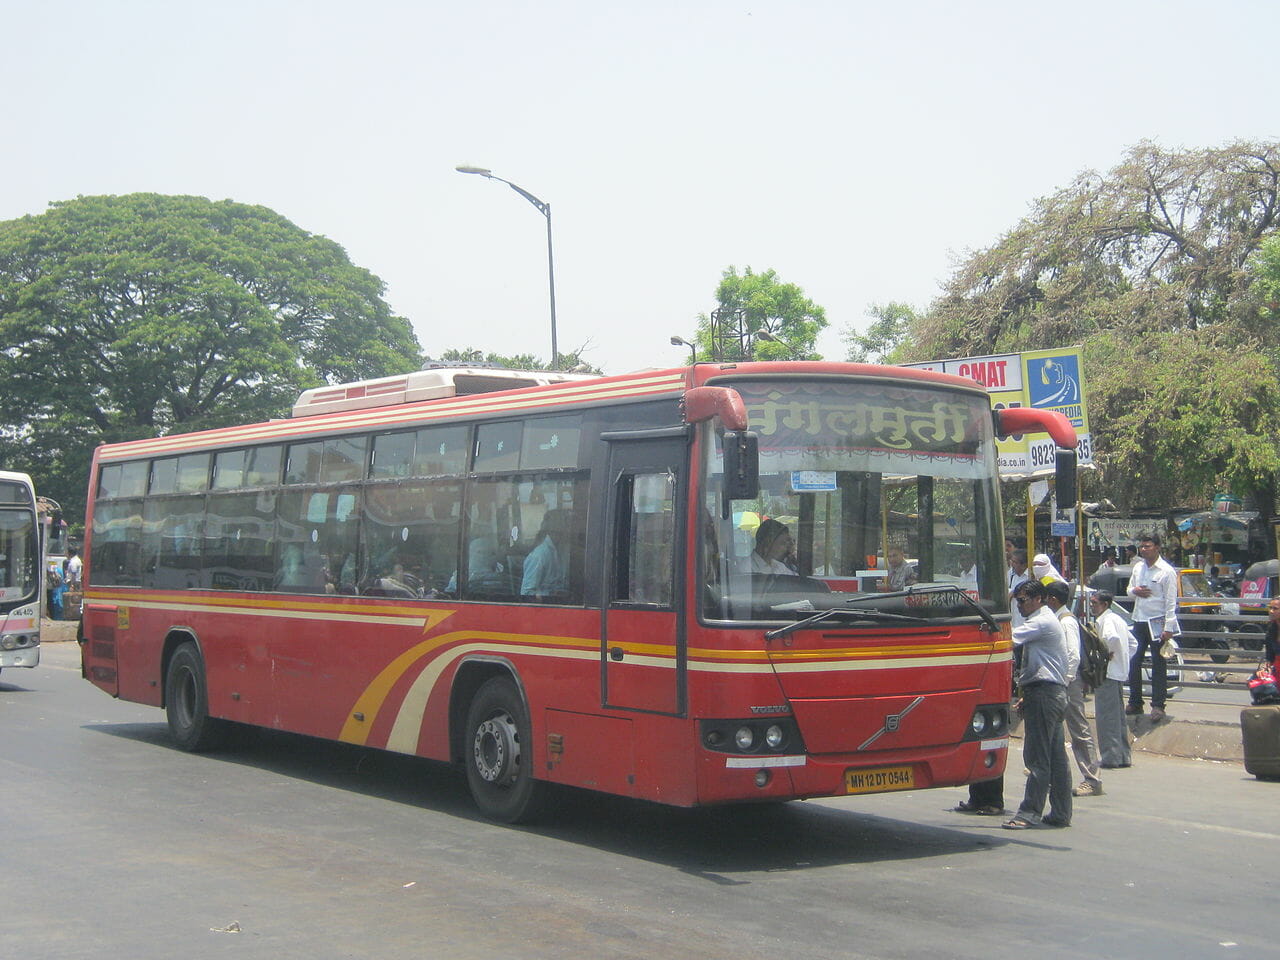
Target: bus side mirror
1064	477
741	466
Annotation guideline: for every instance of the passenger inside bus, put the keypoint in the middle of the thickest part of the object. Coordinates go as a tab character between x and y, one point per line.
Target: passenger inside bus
486	575
546	570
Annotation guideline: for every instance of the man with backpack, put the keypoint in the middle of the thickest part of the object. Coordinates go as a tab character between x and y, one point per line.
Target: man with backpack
1057	597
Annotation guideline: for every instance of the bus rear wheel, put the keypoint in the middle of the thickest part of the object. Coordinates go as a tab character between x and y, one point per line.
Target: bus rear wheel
186	699
499	754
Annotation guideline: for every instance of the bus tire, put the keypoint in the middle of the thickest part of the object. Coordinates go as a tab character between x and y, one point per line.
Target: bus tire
498	752
186	700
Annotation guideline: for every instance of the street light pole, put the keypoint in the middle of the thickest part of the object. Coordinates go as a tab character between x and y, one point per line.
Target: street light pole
682	342
545	210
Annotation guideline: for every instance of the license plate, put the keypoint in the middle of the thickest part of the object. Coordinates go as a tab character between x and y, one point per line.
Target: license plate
878	779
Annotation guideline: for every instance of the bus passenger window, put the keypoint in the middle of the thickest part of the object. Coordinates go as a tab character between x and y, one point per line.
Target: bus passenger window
647	536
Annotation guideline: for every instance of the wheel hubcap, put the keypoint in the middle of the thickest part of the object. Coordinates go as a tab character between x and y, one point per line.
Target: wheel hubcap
496	749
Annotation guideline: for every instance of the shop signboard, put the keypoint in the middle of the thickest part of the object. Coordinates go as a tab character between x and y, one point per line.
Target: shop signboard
1046	379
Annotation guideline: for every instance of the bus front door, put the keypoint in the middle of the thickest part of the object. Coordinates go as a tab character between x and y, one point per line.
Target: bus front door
642	637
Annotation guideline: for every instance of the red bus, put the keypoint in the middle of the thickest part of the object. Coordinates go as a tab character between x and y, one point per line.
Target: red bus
560	583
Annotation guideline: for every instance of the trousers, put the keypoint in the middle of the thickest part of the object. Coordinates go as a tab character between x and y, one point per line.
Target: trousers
1080	734
1159	667
1044	751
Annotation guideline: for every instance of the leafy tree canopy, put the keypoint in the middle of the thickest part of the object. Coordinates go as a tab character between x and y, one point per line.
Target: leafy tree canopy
753	302
882	341
1155	267
130	316
571	361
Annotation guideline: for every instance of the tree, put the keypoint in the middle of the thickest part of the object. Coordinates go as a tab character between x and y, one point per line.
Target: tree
1150	268
882	339
132	316
1161	242
568	362
752	302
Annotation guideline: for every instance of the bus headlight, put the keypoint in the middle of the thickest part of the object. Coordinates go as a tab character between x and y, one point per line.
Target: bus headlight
989	720
773	735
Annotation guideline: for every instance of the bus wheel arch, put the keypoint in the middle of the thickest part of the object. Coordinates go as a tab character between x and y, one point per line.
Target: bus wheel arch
495	743
186	695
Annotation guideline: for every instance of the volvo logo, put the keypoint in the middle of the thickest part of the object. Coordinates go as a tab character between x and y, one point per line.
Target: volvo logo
892	722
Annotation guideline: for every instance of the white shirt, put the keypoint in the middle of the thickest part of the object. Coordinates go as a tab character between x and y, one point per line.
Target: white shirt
1071	631
1015	580
1162	605
1115	634
760	565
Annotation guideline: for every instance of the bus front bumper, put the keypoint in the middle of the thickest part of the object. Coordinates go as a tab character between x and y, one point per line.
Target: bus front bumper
19	650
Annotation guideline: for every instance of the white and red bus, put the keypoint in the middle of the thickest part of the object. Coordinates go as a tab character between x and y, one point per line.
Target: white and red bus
21	572
555	584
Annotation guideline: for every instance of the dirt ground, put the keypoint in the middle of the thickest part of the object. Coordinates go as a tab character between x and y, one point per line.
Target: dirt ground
58	631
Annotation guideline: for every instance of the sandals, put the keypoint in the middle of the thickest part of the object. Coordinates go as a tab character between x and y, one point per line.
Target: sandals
1017	823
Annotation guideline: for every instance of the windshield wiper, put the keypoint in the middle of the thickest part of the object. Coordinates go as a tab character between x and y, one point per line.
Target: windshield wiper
882	615
833	611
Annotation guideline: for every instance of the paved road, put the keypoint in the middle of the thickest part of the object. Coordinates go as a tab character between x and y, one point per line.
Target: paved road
116	845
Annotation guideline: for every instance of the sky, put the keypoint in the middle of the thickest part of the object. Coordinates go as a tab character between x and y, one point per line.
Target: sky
858	149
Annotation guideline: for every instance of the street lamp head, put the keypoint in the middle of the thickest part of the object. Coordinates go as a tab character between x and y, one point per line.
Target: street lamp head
763	334
480	171
679	342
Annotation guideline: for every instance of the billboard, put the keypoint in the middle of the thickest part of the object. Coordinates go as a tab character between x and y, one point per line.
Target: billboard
1046	379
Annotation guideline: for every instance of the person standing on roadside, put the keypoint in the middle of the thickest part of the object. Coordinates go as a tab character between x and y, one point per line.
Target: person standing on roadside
1017	574
1154	586
1108	699
1043	684
1058	597
71	568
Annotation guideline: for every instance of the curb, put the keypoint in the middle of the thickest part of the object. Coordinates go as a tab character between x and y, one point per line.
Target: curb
1197	739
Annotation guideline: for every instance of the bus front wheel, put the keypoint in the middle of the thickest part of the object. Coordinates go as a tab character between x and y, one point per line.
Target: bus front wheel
186	699
499	754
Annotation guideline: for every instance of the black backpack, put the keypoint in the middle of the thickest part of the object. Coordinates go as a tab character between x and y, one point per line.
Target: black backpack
1094	656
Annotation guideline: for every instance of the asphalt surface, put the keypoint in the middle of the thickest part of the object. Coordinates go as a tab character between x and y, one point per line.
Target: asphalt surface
283	846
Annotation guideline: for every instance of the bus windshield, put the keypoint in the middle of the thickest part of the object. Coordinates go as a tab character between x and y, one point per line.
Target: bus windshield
868	489
19	547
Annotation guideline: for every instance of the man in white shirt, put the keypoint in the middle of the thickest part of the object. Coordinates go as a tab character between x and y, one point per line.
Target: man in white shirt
1057	598
1108	699
773	542
1154	586
71	569
1017	573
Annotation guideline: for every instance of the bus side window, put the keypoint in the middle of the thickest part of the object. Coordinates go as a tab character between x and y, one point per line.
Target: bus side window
646	539
539	524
